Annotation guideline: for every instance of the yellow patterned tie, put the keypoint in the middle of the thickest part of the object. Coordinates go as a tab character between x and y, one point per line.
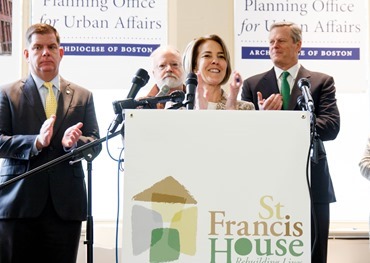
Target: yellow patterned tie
50	102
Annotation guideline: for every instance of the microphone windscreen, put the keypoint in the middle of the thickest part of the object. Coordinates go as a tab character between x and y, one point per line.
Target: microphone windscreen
304	82
141	77
177	96
191	79
138	81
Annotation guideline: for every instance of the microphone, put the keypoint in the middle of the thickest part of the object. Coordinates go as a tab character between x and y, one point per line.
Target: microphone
118	119
304	85
138	81
176	96
300	102
163	91
191	85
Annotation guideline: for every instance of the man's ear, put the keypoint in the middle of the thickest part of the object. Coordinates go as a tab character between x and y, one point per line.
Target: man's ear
26	54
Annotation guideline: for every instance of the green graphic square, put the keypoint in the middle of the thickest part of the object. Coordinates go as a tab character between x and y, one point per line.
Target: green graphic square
165	245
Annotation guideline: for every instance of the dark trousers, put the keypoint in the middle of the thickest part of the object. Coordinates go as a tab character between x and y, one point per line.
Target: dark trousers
44	239
319	238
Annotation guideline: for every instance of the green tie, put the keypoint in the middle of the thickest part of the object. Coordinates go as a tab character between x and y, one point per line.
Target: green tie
50	101
285	89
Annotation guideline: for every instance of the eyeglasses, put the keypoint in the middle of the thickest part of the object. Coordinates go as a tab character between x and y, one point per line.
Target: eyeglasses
172	65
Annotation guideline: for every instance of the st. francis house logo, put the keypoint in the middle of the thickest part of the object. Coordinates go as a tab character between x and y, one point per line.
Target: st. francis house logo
164	221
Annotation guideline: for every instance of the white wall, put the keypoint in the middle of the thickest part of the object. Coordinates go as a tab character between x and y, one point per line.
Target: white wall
344	153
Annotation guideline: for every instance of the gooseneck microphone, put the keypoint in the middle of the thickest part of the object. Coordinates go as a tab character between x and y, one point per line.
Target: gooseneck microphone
176	96
138	81
300	102
191	85
304	85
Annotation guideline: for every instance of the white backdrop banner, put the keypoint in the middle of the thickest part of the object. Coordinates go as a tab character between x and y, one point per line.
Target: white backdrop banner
335	37
109	28
107	41
212	186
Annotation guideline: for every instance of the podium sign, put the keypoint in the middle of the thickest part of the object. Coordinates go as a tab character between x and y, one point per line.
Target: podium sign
216	186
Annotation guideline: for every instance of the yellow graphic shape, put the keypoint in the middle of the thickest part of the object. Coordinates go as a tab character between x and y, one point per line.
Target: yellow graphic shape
185	222
167	210
167	190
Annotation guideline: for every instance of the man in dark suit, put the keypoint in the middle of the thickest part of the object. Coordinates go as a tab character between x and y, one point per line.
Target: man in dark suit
41	215
285	40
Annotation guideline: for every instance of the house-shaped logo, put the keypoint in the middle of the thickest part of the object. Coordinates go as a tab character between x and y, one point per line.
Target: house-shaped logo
164	221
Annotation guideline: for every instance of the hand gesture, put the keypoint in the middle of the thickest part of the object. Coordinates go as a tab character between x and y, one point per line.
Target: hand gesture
46	132
274	102
235	84
72	135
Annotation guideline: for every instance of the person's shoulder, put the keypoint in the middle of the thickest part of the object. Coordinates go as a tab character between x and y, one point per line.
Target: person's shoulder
153	91
314	74
317	79
13	85
73	85
259	75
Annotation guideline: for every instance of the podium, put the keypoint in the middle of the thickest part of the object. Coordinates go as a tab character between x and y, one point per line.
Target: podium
216	186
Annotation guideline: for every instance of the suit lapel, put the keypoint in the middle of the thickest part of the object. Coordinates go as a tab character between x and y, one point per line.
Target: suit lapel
296	92
269	85
32	95
64	101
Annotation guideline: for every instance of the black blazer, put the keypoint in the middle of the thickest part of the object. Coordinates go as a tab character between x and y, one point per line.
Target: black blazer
21	117
326	112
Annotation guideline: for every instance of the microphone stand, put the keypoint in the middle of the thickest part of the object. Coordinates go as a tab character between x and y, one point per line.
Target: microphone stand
176	106
86	152
316	145
179	105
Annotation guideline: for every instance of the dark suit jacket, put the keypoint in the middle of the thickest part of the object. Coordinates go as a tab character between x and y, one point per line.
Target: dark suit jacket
21	117
326	112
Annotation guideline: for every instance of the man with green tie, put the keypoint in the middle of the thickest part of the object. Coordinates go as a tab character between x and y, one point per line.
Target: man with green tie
277	89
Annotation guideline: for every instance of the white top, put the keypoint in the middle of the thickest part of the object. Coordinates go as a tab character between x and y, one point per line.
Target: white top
212	106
